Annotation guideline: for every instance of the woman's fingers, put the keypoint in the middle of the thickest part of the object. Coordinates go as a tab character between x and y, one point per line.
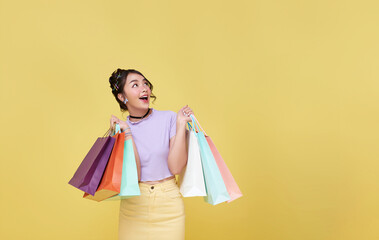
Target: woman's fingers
113	121
187	110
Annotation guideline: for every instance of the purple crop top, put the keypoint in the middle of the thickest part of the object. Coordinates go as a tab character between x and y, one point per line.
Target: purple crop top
152	138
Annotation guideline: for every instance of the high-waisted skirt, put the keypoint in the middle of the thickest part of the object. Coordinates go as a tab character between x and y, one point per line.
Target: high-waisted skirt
158	213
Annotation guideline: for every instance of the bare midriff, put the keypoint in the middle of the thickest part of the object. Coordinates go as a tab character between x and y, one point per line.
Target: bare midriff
160	181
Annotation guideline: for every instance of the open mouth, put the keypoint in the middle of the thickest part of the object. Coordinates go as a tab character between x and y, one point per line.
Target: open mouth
144	99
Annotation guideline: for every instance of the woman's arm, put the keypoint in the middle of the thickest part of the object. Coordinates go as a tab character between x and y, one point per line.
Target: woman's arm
178	155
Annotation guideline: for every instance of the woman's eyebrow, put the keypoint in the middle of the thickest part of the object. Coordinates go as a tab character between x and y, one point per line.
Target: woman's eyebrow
135	80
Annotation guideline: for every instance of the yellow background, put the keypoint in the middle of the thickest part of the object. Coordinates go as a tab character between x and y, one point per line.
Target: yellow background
287	90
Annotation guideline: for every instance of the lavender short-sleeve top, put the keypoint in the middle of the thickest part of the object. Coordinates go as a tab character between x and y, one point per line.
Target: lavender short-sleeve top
152	138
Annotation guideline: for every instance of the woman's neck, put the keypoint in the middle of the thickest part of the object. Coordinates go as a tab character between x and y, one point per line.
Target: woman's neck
138	113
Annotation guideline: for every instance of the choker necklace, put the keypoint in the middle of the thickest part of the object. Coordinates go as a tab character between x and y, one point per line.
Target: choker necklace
148	110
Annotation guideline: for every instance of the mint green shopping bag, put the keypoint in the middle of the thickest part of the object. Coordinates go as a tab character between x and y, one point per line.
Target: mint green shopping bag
214	183
129	178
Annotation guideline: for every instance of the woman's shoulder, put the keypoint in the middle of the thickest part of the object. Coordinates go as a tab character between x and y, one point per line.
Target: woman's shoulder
165	112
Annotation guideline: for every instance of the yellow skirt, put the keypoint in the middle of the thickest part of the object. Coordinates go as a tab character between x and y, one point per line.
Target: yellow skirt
158	213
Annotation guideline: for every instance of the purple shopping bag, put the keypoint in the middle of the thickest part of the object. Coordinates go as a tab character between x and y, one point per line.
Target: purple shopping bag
88	175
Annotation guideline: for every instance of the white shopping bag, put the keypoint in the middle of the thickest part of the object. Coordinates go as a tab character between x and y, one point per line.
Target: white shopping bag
191	179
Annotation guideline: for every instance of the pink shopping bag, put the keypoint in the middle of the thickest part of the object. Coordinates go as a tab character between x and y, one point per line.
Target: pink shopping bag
230	183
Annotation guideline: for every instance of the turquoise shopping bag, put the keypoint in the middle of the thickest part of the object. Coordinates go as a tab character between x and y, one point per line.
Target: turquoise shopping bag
214	183
129	178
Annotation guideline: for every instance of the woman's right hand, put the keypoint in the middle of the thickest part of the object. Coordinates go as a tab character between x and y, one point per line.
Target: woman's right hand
114	120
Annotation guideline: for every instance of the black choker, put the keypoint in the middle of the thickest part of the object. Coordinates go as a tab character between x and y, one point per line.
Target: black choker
142	116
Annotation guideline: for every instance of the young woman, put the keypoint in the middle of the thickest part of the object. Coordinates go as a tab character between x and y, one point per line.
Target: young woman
160	146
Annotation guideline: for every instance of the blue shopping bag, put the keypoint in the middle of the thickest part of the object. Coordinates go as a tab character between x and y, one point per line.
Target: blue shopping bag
129	178
214	183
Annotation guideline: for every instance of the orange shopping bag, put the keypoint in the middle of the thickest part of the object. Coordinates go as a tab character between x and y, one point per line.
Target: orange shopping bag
111	180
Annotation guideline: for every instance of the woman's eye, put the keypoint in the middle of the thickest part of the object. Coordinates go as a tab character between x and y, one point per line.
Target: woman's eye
136	84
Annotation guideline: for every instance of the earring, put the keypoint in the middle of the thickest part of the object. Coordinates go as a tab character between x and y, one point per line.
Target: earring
125	100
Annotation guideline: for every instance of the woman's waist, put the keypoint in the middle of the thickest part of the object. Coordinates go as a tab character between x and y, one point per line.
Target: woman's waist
158	181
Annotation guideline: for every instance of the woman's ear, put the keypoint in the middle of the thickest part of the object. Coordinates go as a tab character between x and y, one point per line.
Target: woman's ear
120	97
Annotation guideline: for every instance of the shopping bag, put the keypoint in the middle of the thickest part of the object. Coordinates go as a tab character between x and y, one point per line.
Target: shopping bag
230	183
129	179
88	175
111	181
191	179
214	184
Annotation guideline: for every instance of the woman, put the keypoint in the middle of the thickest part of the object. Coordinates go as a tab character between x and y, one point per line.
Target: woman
160	146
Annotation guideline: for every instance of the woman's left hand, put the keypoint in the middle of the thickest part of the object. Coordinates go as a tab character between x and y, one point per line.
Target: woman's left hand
184	114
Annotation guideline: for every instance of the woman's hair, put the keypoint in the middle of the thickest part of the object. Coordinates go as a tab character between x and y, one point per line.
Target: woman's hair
117	82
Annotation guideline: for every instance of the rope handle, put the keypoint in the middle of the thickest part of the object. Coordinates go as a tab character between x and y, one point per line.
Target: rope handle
197	124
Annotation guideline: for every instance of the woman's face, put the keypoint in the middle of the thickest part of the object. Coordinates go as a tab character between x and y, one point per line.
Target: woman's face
136	87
